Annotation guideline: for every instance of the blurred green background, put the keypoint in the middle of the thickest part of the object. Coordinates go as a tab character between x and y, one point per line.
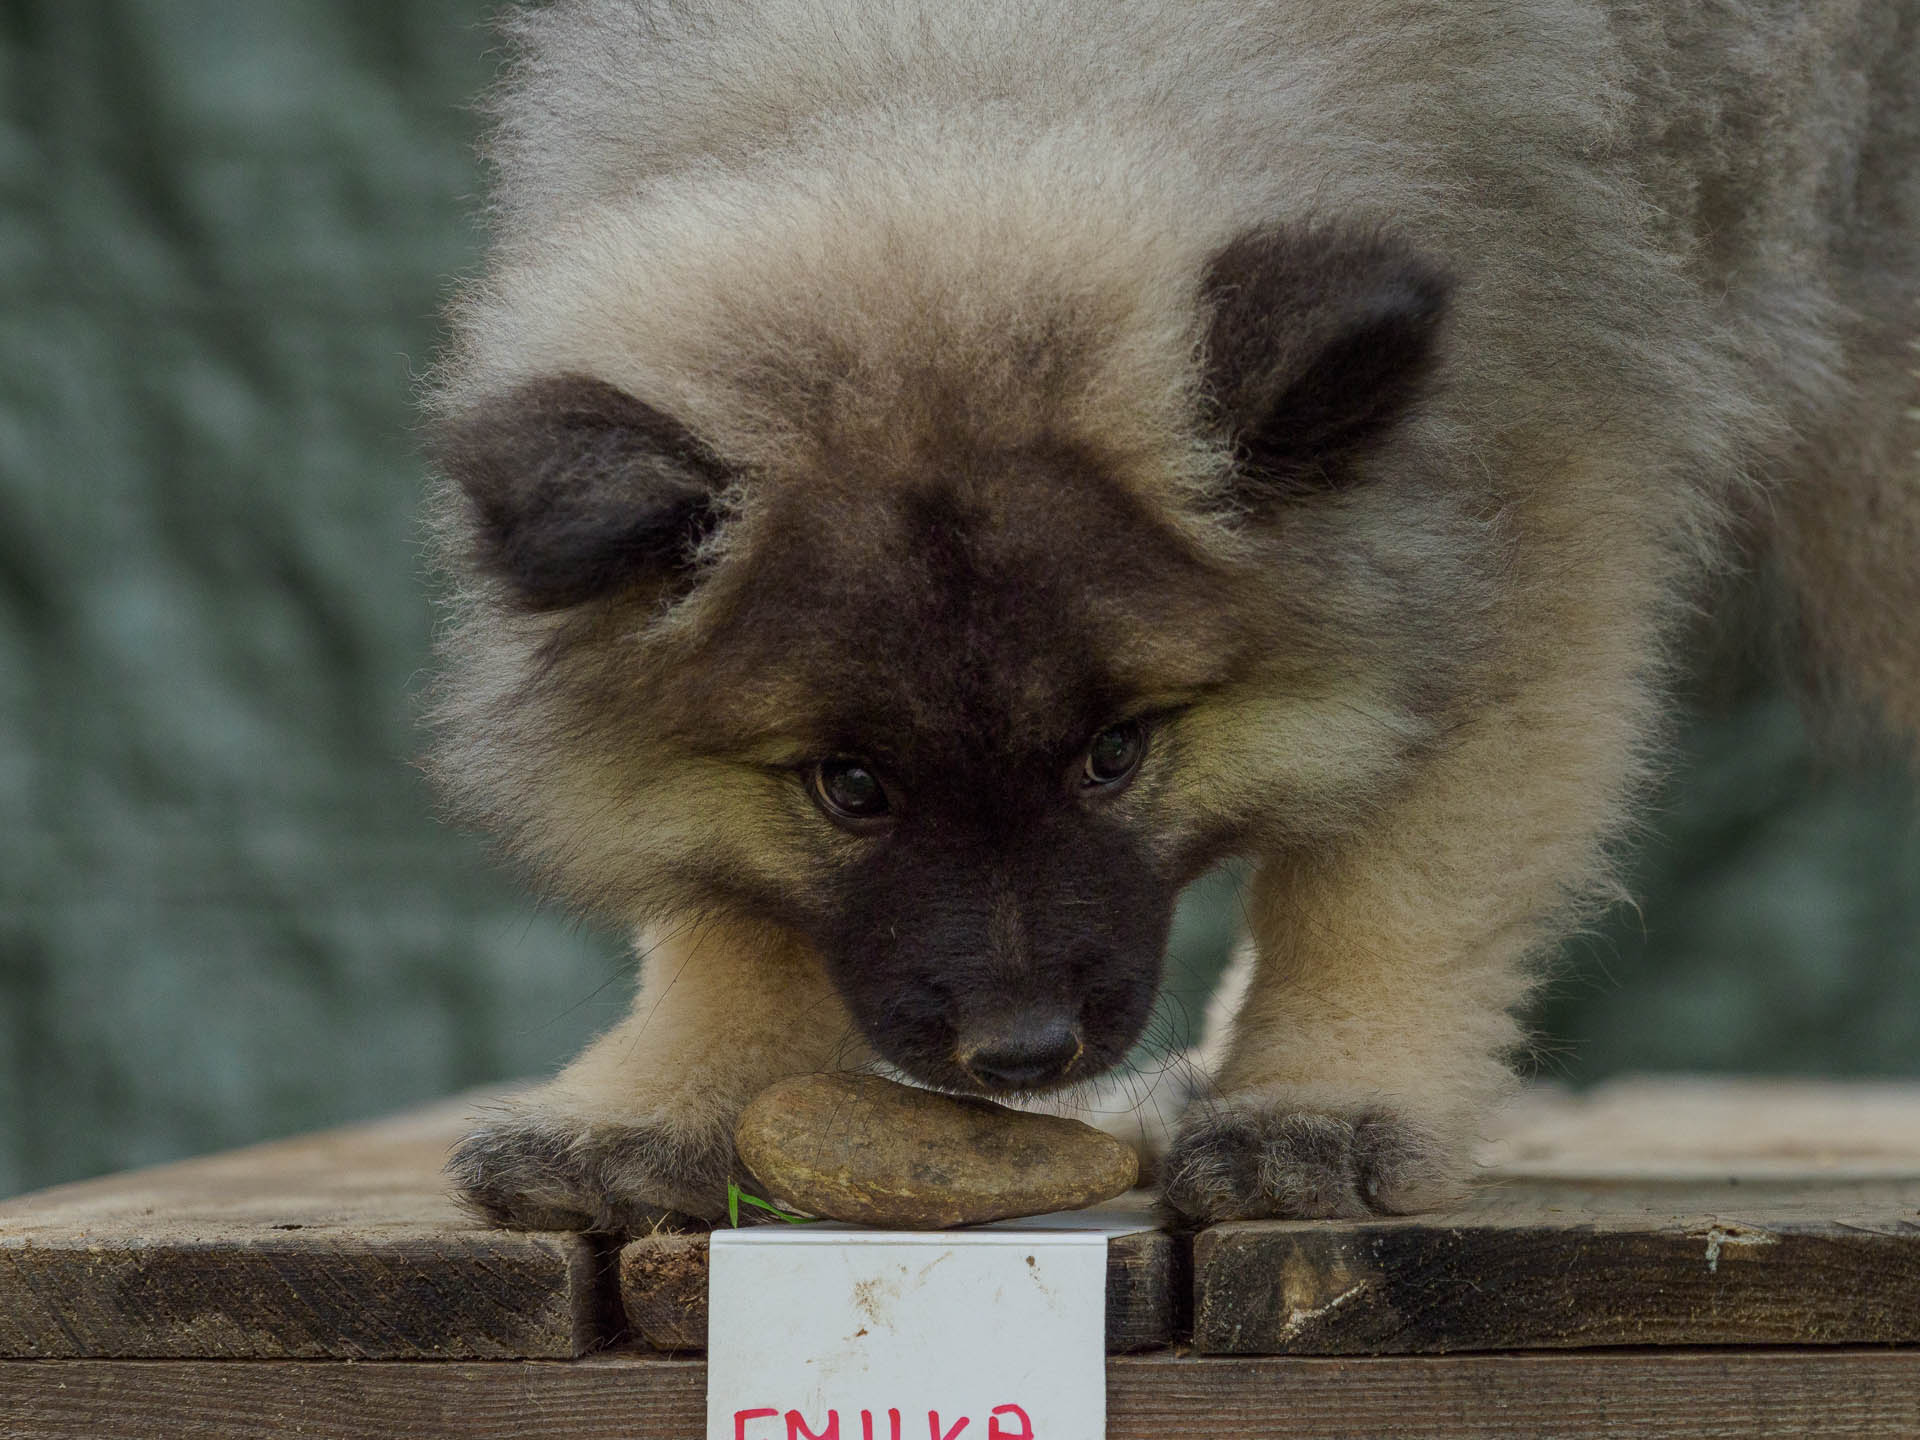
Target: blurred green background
226	911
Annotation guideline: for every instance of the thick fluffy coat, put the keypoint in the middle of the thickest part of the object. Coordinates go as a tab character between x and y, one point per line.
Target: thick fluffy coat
925	480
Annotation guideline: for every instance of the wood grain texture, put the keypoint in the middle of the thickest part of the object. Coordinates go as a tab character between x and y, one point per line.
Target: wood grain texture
1668	1211
1674	1395
1529	1264
341	1245
1652	1210
1700	1127
663	1289
1677	1395
1148	1279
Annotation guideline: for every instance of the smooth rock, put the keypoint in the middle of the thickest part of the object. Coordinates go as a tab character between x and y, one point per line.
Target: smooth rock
869	1150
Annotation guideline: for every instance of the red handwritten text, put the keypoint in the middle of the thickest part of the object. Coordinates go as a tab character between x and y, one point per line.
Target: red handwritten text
1006	1422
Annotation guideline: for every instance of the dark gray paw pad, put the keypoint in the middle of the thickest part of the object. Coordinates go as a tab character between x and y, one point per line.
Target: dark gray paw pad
533	1174
1235	1162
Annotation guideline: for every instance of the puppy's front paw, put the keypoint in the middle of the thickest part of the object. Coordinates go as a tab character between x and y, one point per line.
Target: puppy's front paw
1249	1159
530	1171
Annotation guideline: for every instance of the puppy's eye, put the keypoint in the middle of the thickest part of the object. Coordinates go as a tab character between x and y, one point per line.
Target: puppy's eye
1116	753
849	792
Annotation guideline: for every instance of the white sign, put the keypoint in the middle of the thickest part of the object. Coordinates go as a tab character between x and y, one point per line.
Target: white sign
837	1333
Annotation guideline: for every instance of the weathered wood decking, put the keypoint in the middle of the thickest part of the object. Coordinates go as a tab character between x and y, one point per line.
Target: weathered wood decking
1757	1245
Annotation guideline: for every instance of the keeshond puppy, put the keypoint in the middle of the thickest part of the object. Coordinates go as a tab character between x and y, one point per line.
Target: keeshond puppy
923	480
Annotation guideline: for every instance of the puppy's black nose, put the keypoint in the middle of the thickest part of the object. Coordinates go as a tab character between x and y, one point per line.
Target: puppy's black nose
1026	1053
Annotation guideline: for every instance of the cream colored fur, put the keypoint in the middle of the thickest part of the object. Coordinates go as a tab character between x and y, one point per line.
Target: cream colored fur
721	1013
1687	238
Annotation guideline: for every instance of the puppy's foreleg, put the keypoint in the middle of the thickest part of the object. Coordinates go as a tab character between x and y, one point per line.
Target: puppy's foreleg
1378	1027
640	1126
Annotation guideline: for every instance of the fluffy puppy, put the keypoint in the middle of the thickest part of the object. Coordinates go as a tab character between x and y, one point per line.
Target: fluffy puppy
923	481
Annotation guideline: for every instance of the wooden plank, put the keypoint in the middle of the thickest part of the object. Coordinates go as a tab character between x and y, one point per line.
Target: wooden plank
339	1245
1700	1127
1664	1210
1547	1264
346	1245
1678	1395
1149	1276
663	1290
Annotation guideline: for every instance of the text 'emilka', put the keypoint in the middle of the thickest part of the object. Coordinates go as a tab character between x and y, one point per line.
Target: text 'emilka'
1006	1422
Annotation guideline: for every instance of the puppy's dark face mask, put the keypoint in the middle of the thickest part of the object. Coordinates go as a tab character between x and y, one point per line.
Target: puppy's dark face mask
979	674
968	675
1007	934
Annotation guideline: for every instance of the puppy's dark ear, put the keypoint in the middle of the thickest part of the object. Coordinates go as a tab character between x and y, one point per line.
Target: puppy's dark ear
579	490
1320	341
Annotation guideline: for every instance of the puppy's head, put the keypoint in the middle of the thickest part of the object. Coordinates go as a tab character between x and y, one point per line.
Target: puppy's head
965	684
